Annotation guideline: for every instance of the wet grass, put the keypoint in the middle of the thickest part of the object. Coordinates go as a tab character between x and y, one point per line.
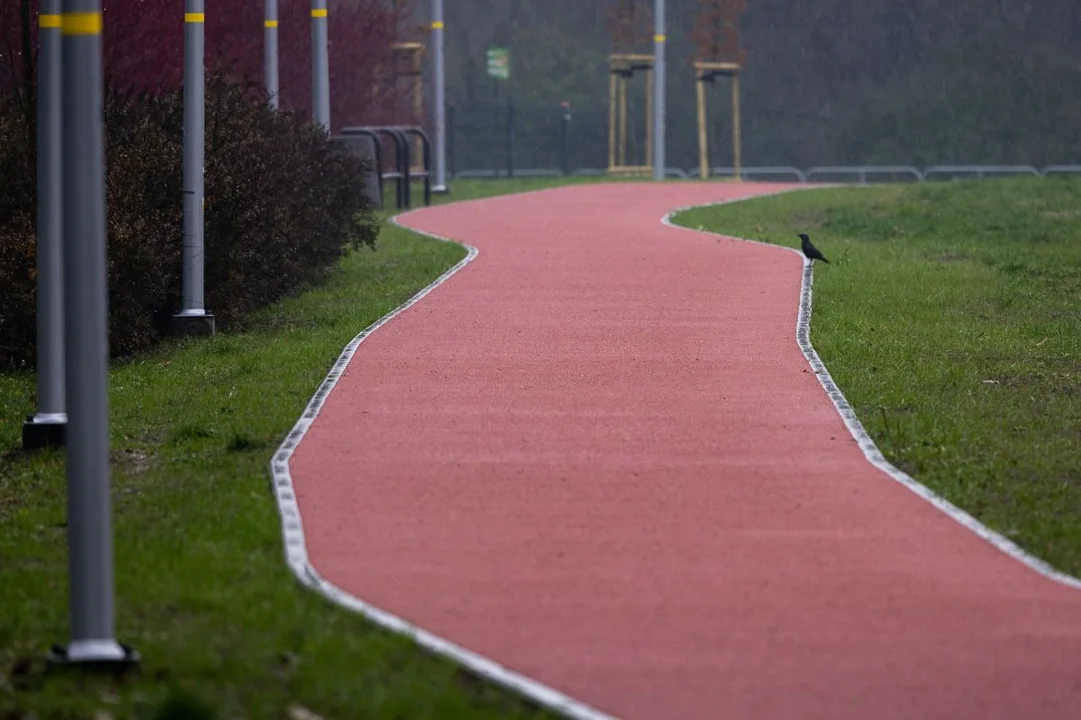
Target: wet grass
203	591
951	319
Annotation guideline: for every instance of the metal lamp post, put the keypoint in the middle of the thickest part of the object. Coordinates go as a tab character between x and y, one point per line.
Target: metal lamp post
658	89
86	345
439	99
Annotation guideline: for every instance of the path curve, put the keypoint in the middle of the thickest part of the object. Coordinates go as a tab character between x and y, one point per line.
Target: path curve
596	458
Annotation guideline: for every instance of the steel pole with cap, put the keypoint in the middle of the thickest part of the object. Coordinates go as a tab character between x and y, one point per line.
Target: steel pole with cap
86	345
439	98
193	319
47	427
270	51
320	65
658	89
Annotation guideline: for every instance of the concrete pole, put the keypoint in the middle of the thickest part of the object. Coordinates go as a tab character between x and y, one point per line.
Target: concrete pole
90	549
439	99
47	427
660	76
270	51
193	318
320	65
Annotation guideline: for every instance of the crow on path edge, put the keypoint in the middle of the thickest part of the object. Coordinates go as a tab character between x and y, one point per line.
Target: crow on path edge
810	250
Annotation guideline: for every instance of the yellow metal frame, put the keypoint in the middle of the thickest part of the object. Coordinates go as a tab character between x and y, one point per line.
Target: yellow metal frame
621	69
705	72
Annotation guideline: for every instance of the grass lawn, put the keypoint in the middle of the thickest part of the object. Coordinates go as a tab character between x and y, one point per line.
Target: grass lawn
203	591
951	319
476	189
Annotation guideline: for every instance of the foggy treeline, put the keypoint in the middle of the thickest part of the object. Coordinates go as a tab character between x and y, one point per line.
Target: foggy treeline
827	81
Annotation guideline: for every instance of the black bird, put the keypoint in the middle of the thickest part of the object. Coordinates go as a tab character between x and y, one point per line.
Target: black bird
810	250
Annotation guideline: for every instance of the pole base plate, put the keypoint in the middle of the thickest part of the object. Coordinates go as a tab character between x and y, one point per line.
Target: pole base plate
192	325
61	657
39	434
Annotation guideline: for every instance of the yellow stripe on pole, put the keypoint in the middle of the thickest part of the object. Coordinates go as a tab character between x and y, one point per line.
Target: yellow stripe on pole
437	25
270	23
194	17
81	23
49	21
659	38
320	12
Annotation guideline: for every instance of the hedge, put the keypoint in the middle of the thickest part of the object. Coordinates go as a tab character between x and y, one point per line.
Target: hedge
283	205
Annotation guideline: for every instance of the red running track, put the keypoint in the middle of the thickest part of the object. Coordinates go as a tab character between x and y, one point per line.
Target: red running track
597	456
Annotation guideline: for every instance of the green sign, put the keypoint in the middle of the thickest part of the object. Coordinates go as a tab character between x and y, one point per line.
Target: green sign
499	63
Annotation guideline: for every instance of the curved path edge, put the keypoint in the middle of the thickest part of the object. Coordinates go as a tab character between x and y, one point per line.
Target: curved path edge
295	548
859	433
296	553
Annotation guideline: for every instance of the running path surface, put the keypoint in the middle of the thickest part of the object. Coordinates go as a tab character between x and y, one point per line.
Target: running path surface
597	456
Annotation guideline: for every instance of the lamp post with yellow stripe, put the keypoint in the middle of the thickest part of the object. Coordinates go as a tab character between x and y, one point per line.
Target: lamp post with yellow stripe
270	50
320	65
193	318
86	345
47	427
439	101
658	89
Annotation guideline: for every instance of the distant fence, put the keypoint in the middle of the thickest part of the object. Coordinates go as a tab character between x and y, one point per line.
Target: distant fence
884	173
502	138
861	174
495	137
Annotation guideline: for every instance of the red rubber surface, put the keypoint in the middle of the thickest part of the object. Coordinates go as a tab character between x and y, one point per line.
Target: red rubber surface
596	455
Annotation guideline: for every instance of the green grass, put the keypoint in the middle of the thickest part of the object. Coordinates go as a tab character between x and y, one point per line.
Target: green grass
474	189
951	319
203	591
934	290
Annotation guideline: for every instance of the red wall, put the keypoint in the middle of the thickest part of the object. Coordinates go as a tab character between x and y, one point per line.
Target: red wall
144	47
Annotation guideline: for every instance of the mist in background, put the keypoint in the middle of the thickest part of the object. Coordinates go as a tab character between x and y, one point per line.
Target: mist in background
826	82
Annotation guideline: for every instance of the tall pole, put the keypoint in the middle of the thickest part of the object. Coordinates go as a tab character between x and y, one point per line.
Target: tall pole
49	424
320	65
193	318
703	136
649	117
658	89
510	135
737	141
613	95
270	51
564	132
439	98
89	526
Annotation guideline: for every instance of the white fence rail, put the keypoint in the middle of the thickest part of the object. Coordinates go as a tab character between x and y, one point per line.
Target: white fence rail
862	174
980	171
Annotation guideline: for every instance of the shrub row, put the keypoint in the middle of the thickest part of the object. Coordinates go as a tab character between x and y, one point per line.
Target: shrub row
283	204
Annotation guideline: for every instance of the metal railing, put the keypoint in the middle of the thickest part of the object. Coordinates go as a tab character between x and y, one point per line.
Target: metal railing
862	174
980	171
425	170
376	149
863	171
761	171
523	172
1061	170
403	172
549	172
